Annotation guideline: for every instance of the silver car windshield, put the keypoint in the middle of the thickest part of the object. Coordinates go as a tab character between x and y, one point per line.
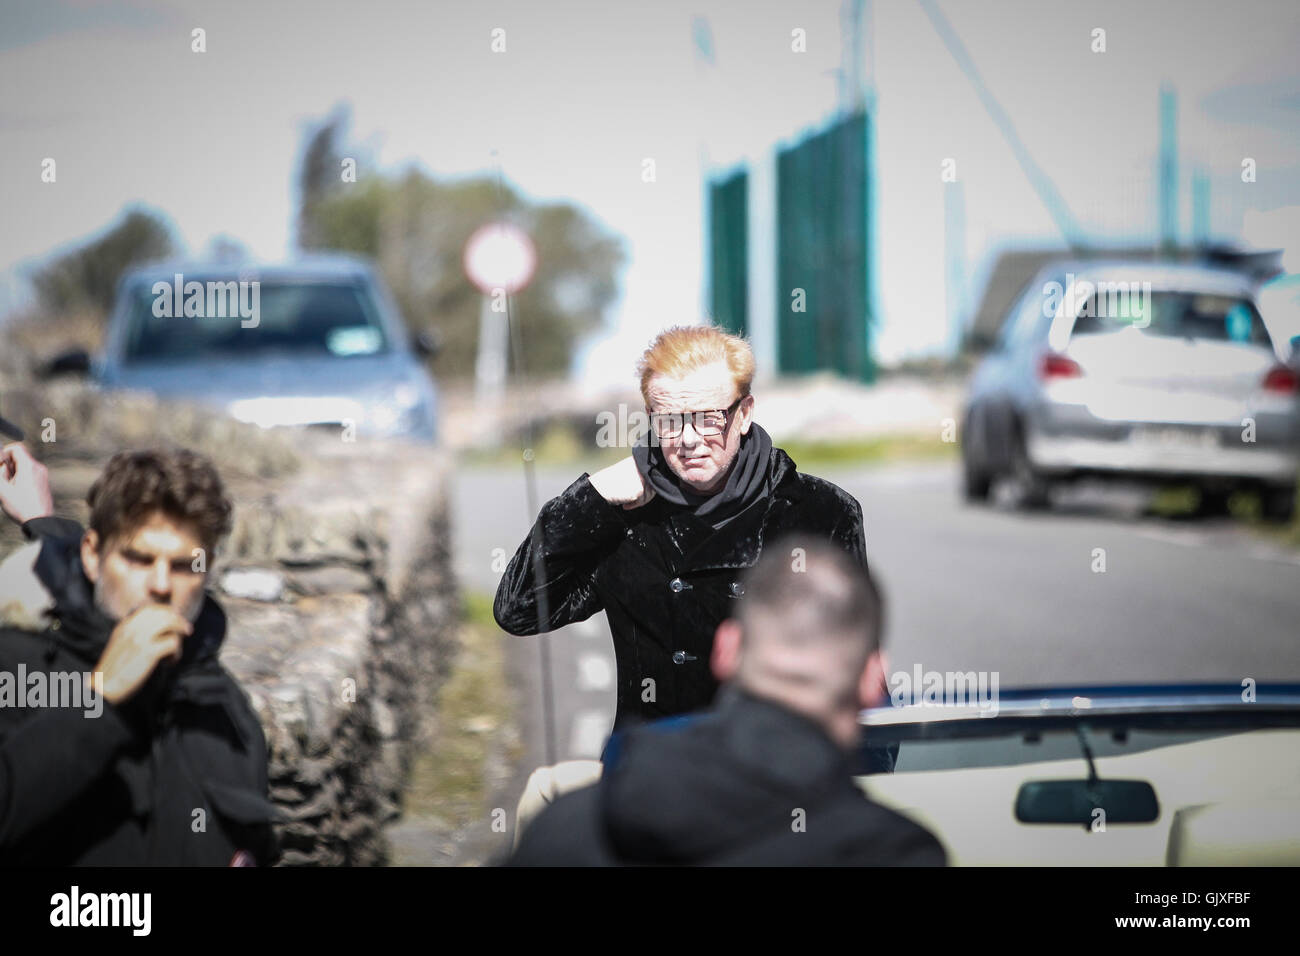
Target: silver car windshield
294	317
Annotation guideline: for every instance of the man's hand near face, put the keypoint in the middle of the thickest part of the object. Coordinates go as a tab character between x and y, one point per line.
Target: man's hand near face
141	640
622	484
24	485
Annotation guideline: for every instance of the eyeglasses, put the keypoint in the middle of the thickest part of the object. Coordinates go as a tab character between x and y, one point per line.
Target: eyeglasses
706	424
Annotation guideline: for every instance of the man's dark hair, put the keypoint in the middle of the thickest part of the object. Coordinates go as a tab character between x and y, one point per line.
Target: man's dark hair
181	484
815	587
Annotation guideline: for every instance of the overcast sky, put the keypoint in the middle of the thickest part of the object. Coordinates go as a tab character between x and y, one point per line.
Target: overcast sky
586	91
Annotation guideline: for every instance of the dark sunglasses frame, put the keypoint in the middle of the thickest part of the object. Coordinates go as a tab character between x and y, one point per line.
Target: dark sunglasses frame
657	417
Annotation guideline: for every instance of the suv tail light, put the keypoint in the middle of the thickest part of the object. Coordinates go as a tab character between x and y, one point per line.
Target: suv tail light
1053	365
1281	379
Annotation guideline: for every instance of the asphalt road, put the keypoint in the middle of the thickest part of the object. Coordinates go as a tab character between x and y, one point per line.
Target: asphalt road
982	589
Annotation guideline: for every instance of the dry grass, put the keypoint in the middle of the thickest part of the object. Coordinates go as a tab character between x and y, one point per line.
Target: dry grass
448	804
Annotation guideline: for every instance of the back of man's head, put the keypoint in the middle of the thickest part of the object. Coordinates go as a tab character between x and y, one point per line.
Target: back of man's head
809	624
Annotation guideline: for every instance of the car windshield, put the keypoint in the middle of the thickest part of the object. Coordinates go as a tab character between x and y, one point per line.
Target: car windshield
229	319
1190	315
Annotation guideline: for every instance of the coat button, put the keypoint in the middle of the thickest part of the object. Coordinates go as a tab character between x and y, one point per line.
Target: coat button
677	584
737	588
681	657
55	624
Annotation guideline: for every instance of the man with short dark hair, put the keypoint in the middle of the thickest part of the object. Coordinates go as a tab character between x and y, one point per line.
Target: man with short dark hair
765	777
123	741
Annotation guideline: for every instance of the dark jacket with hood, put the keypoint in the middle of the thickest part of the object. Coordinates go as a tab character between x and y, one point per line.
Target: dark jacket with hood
750	783
176	775
667	573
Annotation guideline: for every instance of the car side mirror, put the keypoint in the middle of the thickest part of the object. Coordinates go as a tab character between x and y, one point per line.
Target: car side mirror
71	362
426	343
1077	801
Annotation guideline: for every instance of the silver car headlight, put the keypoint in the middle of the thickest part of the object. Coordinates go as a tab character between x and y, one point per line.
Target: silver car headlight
401	413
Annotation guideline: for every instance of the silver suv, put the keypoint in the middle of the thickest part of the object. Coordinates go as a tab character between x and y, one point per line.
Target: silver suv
1143	371
314	342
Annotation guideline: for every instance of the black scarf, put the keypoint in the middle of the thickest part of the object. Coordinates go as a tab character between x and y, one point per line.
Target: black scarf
747	480
84	630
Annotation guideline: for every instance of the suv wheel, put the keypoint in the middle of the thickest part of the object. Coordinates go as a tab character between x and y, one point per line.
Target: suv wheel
1031	490
1213	503
976	484
1278	503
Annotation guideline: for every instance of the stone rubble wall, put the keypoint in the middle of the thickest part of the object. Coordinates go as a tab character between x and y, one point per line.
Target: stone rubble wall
343	663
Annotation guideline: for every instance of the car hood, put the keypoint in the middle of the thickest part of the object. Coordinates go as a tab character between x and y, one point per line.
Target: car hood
280	389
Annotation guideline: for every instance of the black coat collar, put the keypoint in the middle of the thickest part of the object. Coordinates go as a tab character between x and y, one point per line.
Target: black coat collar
739	543
758	724
690	790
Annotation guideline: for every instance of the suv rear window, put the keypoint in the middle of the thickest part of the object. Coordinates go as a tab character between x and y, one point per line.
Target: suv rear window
1192	315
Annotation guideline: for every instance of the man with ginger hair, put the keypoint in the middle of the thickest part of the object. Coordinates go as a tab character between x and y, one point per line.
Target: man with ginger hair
660	539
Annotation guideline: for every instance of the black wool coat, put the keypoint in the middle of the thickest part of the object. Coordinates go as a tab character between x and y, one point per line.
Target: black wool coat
664	578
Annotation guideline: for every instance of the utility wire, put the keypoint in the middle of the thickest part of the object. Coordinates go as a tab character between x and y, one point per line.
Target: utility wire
1039	180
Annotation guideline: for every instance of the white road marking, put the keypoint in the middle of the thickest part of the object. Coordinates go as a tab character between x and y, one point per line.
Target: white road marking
1197	539
588	735
1190	539
594	672
1269	553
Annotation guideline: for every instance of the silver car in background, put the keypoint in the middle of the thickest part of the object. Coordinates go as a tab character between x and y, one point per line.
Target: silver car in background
1154	372
327	346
